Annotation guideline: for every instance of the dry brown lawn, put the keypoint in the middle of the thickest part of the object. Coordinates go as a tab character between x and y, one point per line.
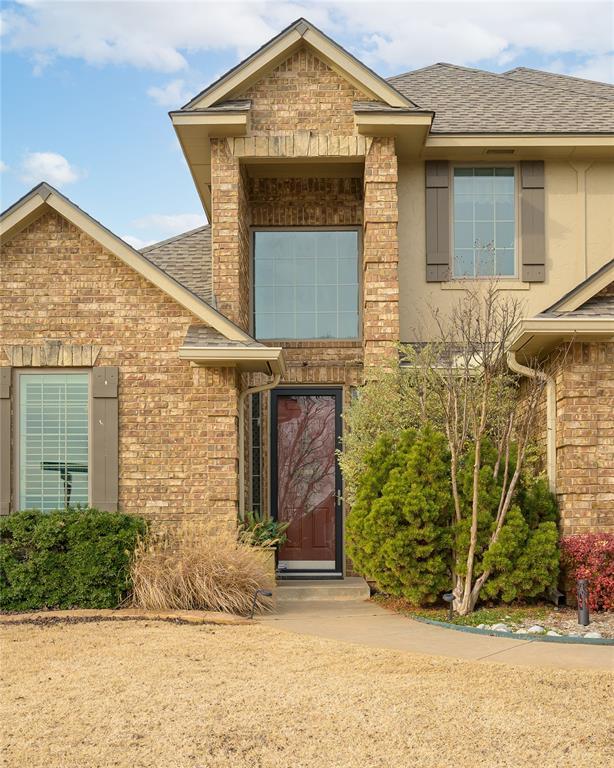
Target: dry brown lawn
160	695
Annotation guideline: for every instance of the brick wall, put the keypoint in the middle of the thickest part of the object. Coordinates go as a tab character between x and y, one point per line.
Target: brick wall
381	255
177	424
585	438
306	202
302	93
229	234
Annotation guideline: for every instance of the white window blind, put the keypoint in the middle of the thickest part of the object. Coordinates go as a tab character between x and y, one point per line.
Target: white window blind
53	440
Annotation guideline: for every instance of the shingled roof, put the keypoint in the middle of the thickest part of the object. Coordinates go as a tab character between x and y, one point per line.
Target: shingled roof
475	101
468	101
566	82
601	305
187	259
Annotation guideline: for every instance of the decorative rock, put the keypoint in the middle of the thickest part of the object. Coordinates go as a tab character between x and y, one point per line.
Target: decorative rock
521	631
535	630
552	633
593	634
481	626
500	627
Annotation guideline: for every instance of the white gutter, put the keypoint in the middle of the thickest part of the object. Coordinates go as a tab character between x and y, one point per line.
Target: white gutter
531	373
242	397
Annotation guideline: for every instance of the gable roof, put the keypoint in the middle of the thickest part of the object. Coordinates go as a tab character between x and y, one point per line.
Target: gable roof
600	305
186	258
590	295
565	82
475	101
585	313
280	47
44	197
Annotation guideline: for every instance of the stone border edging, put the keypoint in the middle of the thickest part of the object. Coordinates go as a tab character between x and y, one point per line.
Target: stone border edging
513	636
83	615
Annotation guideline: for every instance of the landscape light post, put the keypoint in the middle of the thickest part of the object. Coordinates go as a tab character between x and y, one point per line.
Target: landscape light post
582	591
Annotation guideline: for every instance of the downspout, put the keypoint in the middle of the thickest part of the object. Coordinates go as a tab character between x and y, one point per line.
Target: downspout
531	373
242	397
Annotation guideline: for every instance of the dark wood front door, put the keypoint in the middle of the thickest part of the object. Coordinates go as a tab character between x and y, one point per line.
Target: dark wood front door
305	487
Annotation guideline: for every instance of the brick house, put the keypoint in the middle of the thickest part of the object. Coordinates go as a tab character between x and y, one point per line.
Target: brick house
207	374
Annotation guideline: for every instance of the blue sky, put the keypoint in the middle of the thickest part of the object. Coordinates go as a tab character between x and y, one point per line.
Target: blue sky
86	86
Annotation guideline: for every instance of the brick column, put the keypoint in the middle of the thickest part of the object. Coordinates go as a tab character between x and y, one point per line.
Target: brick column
380	255
230	234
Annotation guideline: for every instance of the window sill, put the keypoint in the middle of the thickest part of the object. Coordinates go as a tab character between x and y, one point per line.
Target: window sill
311	343
505	284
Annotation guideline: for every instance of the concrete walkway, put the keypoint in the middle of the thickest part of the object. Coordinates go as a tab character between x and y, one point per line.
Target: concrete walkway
367	623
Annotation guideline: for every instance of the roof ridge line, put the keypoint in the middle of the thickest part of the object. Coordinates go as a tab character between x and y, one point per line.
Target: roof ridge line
560	74
503	76
301	26
172	239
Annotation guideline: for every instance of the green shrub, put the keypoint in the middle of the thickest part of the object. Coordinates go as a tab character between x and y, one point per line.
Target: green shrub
399	527
67	558
524	563
401	530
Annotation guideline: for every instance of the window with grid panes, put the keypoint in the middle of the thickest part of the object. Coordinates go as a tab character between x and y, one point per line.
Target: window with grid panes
306	284
484	226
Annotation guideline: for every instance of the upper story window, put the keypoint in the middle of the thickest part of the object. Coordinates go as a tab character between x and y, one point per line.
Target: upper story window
484	225
53	438
306	284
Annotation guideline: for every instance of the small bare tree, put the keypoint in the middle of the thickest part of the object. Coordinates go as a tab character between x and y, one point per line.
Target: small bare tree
476	398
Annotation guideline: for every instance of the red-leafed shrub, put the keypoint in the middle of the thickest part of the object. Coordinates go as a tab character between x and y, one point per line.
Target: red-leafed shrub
591	556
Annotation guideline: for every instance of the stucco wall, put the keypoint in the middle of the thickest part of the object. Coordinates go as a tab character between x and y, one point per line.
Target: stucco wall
579	239
177	424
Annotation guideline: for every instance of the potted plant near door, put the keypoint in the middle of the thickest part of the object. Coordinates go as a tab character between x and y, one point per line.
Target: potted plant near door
265	534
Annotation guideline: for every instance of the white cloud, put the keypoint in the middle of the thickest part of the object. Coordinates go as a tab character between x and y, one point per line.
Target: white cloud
170	223
137	242
3	166
389	36
148	35
397	36
597	68
159	226
48	166
173	94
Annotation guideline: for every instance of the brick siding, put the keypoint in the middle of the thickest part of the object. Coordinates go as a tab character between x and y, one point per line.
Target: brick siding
585	438
229	234
177	424
303	92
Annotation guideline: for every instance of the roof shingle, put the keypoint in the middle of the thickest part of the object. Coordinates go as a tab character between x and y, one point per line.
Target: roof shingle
564	82
474	101
186	258
202	336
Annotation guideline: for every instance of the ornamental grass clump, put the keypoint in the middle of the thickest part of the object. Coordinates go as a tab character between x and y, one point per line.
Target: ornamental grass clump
198	566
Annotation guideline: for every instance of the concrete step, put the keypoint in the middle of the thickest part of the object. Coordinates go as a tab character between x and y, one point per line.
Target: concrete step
352	588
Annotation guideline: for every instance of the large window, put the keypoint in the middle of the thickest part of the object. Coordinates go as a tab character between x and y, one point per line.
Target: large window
306	284
53	440
484	222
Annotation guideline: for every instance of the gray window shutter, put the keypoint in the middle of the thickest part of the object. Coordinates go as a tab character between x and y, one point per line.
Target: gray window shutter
104	451
5	440
533	221
437	221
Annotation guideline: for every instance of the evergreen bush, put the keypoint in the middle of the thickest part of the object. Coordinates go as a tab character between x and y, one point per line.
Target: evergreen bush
402	534
68	558
399	527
